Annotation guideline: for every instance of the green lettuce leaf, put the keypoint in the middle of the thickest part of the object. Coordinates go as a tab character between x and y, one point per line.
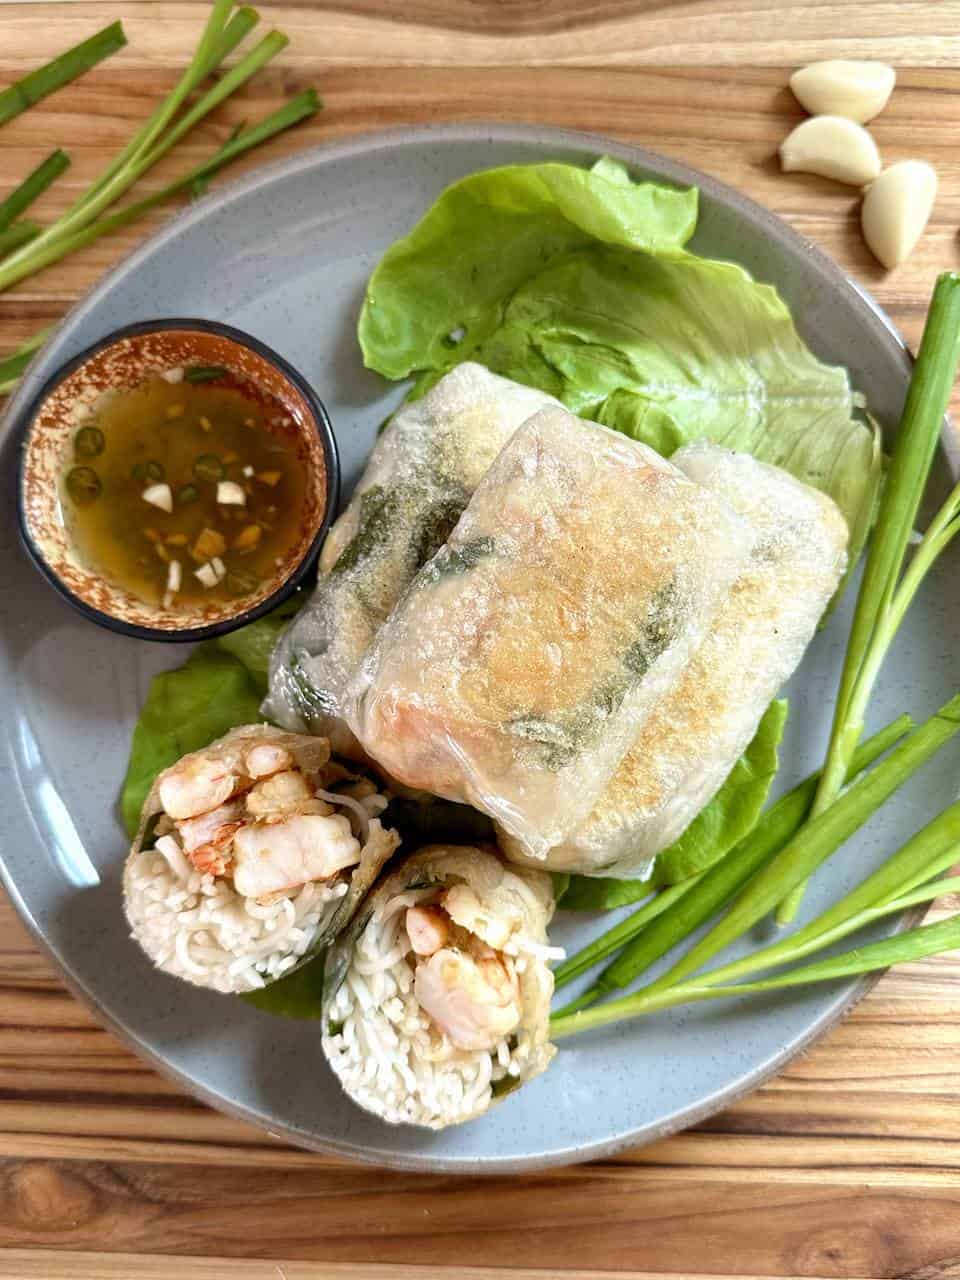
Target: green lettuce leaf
723	823
253	644
577	282
218	688
486	236
298	995
185	709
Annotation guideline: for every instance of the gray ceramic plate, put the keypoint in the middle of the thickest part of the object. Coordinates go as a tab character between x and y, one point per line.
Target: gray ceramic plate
285	255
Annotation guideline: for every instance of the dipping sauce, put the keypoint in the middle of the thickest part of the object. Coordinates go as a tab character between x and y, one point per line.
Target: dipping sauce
187	488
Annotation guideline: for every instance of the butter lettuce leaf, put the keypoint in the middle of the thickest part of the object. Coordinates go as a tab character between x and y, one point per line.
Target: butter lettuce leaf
218	688
723	823
577	282
295	995
439	292
186	708
254	643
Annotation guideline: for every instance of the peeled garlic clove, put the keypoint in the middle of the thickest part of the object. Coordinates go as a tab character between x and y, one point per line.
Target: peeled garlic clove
856	90
832	147
896	209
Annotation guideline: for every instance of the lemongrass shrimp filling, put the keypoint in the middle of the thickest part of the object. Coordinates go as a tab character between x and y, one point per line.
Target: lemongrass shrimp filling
427	1026
252	857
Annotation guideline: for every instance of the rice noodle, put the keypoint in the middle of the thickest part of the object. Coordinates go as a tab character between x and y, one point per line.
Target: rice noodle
389	1054
247	943
348	802
185	910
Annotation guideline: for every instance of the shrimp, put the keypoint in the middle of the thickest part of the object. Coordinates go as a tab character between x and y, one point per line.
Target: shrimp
279	795
206	838
273	857
464	908
474	1002
427	928
266	759
196	785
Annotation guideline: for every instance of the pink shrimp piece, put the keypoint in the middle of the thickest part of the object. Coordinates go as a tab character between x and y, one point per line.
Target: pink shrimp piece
427	928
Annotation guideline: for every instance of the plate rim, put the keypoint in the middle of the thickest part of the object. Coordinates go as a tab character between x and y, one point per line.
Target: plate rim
390	140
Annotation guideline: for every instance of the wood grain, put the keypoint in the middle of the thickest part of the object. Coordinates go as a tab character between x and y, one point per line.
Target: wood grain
846	1165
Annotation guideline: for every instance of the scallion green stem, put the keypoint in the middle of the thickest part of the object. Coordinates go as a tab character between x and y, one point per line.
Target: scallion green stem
877	614
621	933
291	113
721	882
104	193
11	368
914	944
823	834
61	71
20	233
22	197
926	854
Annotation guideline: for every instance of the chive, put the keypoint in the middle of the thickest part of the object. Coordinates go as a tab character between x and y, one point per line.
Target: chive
208	467
19	234
878	612
154	471
926	854
83	223
33	186
151	143
621	933
187	494
12	368
821	836
83	485
61	71
268	48
913	944
237	29
89	442
720	883
217	49
895	887
291	113
199	373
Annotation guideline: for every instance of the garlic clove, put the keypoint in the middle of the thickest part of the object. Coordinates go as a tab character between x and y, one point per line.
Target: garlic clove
159	495
896	208
230	494
211	573
832	147
857	90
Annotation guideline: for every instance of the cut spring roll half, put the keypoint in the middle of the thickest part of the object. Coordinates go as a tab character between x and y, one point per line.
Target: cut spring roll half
693	738
418	480
437	999
529	651
251	855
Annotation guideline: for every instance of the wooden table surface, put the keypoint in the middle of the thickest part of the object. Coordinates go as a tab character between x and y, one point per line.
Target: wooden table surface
846	1165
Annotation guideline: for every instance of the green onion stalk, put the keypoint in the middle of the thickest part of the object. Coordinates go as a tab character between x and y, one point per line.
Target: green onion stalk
884	597
26	248
681	912
61	71
910	878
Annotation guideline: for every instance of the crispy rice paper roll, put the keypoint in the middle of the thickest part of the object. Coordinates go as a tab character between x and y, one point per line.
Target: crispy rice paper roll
528	652
419	478
251	855
437	999
692	740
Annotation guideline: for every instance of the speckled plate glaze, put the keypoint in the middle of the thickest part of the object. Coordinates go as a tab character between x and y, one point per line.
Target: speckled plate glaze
284	255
